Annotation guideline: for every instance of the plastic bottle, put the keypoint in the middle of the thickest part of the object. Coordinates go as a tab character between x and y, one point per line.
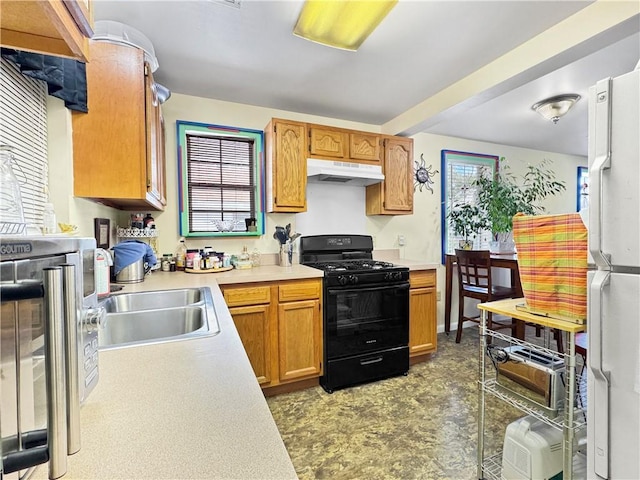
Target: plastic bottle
181	254
196	260
49	219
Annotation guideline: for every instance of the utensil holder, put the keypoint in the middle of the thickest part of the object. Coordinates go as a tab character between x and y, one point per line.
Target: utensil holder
286	254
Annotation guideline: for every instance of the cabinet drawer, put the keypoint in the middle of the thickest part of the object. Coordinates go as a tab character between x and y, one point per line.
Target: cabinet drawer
299	291
425	278
237	297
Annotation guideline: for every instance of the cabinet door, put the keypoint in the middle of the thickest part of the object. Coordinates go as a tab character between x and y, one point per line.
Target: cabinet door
423	312
364	146
109	142
253	325
422	321
299	339
155	141
289	167
398	171
50	27
393	196
327	142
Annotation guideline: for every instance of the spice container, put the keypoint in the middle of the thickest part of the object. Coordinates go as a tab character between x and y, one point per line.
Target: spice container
190	257
166	262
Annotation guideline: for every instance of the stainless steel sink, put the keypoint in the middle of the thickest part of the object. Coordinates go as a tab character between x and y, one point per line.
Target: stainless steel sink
130	302
134	319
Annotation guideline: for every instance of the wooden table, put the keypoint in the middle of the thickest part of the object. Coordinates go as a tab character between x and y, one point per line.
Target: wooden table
509	261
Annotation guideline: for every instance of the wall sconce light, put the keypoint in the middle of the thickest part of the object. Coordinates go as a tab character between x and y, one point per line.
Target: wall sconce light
555	107
341	24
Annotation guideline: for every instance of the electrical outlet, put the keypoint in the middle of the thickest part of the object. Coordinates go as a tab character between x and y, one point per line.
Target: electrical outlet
401	240
438	295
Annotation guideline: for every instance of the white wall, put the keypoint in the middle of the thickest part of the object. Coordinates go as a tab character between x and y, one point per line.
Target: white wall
76	211
330	211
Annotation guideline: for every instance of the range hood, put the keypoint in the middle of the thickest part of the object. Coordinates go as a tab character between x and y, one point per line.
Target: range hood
347	173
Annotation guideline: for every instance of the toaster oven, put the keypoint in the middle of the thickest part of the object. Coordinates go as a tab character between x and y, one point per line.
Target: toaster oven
533	375
48	349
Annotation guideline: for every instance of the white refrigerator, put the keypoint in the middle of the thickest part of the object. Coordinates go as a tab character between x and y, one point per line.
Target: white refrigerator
613	325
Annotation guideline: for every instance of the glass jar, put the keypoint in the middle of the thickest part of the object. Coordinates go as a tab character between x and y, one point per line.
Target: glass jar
11	211
255	258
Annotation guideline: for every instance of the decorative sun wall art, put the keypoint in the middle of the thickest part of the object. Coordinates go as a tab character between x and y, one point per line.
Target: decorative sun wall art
423	175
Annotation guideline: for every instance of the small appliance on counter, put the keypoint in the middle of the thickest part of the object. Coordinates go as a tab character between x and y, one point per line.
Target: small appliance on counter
49	349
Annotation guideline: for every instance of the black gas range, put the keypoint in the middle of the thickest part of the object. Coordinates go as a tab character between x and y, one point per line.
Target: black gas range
366	310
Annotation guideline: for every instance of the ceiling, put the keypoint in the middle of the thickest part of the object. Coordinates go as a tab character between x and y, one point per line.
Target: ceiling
249	55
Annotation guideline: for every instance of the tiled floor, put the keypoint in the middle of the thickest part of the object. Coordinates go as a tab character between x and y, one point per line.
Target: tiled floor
422	426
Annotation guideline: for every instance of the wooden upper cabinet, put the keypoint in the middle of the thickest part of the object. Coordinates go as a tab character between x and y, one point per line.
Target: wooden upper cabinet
393	196
326	142
364	146
286	155
118	146
52	27
332	143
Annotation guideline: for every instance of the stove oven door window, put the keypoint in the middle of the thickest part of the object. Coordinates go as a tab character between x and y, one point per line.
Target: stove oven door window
365	319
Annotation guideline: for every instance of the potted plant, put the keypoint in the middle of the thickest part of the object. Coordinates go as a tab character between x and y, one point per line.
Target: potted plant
467	221
502	196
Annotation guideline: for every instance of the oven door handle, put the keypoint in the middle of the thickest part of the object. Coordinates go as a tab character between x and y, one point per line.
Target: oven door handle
363	289
24	290
371	361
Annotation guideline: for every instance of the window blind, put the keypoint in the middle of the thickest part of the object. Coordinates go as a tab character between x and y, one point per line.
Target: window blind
460	172
23	125
220	181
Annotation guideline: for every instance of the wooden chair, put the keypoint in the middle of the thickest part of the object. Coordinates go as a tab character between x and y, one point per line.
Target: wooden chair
474	281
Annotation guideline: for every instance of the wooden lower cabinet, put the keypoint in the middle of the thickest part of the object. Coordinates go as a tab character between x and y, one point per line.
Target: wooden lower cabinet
280	325
422	315
253	325
299	339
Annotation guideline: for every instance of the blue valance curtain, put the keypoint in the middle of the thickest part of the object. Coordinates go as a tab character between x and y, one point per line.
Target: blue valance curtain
66	78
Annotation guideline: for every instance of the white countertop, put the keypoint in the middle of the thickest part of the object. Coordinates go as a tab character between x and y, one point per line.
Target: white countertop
190	409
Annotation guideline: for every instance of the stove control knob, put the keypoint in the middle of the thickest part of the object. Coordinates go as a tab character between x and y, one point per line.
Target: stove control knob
353	279
342	280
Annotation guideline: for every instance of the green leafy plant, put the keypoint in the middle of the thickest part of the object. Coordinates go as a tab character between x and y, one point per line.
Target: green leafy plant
467	221
502	196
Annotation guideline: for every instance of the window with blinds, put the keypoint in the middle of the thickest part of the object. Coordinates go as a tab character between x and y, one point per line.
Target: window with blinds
220	180
460	170
23	125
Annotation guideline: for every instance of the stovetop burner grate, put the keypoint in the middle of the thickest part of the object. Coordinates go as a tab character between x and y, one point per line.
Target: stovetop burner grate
352	265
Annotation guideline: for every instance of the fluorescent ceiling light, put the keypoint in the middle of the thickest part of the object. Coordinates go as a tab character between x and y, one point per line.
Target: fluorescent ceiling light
341	23
555	107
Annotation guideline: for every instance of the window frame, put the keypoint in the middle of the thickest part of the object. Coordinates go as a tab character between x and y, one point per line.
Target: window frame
186	127
458	157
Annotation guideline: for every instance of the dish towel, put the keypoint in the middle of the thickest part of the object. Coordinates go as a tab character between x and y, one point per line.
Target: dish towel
130	251
552	261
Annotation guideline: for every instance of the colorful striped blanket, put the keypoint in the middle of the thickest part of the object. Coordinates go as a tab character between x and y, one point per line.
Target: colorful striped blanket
552	261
